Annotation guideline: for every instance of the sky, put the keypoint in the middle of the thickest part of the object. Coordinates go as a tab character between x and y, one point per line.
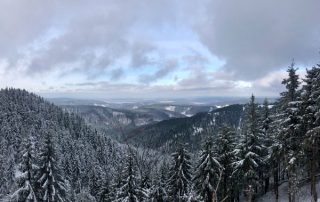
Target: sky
155	48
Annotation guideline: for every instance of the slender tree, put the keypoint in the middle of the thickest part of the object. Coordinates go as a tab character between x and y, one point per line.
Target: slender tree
207	173
129	191
311	123
51	185
25	179
290	133
226	155
251	152
180	175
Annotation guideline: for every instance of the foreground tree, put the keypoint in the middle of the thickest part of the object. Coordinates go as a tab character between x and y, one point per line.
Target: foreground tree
251	157
208	173
226	153
180	175
291	132
25	179
128	192
51	185
159	192
311	123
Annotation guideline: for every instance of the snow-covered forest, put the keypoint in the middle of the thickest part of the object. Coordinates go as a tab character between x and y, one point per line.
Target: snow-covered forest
48	154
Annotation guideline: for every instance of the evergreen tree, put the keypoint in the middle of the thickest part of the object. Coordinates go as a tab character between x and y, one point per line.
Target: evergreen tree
129	191
105	192
311	122
276	154
50	183
25	179
251	157
291	83
265	124
291	131
180	175
159	192
95	175
225	148
207	173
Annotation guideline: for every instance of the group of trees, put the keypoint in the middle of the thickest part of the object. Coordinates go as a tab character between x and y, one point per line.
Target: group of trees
49	155
39	180
274	144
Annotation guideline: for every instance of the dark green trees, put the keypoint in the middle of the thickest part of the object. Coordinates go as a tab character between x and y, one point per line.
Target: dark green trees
180	175
49	180
25	179
208	172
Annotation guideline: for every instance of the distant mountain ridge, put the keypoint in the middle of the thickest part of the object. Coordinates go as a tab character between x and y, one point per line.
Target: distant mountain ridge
116	122
190	130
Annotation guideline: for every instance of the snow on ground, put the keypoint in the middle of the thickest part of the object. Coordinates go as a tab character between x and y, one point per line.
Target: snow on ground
220	106
185	112
170	108
303	194
197	130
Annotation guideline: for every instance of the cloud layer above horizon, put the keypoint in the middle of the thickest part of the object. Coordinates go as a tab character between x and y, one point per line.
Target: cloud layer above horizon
157	48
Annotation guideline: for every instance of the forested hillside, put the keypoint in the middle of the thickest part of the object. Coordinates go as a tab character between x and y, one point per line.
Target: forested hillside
235	153
189	130
35	132
116	122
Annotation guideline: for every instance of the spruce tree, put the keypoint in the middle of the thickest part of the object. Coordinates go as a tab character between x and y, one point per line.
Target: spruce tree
311	122
251	157
226	155
207	173
180	175
50	182
105	192
265	124
128	192
25	179
291	129
159	191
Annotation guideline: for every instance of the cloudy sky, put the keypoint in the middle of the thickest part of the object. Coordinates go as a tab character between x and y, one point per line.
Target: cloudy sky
155	48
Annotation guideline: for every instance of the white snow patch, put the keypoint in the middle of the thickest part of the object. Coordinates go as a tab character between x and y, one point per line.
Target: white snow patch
170	108
197	130
220	106
185	112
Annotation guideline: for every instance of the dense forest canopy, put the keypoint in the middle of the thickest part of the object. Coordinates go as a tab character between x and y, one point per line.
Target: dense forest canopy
241	153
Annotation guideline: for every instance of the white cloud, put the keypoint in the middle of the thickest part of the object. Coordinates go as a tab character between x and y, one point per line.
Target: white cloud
219	47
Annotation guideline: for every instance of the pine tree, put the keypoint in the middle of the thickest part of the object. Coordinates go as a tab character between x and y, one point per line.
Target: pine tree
251	152
290	134
207	173
292	84
105	192
311	122
265	124
225	149
159	191
50	183
129	191
25	179
180	175
276	149
95	174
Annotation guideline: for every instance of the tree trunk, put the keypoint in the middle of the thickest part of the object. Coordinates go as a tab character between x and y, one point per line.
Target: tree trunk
289	191
225	177
213	197
276	181
250	193
266	185
313	173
